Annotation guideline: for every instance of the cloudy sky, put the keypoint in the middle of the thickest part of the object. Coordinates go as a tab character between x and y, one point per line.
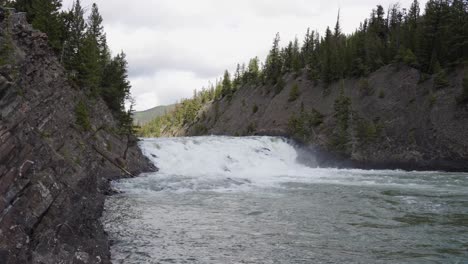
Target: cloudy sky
176	46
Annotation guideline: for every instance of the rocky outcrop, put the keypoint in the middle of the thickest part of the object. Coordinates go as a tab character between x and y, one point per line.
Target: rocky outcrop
397	119
53	173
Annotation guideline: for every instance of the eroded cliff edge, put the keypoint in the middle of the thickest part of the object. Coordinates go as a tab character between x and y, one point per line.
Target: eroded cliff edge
53	174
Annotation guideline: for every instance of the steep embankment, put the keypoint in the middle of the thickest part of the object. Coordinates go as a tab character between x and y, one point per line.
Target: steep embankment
53	172
394	120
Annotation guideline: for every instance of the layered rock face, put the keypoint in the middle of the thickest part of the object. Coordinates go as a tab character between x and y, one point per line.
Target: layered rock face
53	174
397	119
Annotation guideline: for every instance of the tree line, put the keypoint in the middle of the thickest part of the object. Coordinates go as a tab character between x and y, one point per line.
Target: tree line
80	43
431	42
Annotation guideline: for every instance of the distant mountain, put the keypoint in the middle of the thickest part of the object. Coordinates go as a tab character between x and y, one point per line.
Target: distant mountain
143	117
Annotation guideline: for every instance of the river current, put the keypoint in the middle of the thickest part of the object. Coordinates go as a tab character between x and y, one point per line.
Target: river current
248	200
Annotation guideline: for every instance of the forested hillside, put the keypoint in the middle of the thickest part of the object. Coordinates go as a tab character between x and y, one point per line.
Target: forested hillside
377	95
79	41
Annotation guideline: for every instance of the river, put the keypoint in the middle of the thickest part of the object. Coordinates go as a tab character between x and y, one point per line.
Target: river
248	200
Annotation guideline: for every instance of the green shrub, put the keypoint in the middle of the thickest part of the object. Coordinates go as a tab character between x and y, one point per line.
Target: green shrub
82	116
254	109
423	77
432	99
407	57
381	94
313	74
301	126
440	80
279	86
294	93
251	128
315	118
296	128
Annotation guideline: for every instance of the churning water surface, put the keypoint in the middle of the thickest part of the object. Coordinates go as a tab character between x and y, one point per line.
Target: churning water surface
247	200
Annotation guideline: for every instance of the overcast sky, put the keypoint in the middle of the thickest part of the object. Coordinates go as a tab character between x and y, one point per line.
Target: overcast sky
176	46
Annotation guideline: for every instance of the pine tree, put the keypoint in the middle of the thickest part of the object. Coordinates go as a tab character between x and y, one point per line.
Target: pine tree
458	36
432	43
237	78
6	3
337	32
307	47
296	64
338	53
93	53
47	19
274	64
96	30
411	26
254	71
24	6
126	126
75	36
394	23
327	58
313	58
89	69
287	58
342	114
227	85
376	39
115	85
377	23
218	92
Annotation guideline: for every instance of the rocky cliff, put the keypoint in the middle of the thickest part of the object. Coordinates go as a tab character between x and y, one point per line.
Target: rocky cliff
396	118
54	174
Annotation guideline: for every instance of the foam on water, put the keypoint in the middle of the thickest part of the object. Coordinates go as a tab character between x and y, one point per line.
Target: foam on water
233	163
248	200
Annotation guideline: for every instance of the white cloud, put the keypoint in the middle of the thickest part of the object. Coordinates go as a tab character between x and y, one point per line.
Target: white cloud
174	47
